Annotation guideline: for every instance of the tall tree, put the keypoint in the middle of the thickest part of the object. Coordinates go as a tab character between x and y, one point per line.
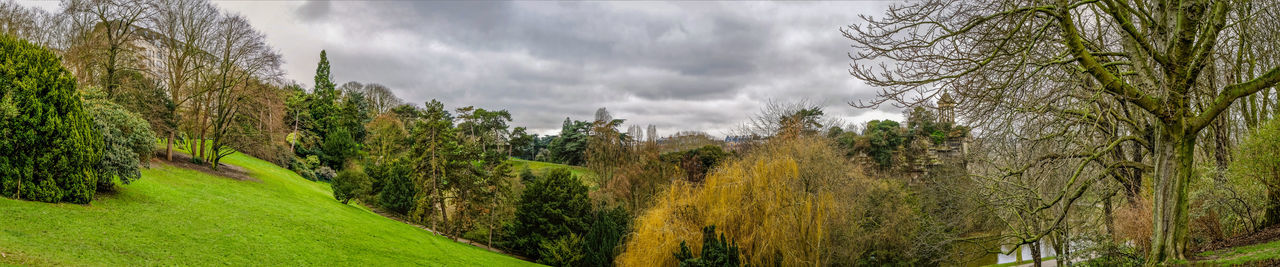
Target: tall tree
435	146
185	25
1158	57
111	27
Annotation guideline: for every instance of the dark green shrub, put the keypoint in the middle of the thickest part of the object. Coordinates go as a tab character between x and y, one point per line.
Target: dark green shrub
350	183
128	141
308	174
48	144
397	187
563	251
339	146
608	226
527	177
885	138
715	252
551	208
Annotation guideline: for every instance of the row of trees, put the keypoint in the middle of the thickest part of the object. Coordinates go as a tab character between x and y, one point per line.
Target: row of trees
205	80
201	78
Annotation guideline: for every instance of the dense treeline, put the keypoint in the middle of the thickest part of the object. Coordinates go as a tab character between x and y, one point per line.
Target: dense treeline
200	79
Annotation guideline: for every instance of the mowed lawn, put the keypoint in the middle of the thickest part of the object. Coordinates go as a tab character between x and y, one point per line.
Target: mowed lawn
176	216
541	168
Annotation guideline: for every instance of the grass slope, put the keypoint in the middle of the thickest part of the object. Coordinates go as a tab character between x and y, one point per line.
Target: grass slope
1268	252
186	217
540	168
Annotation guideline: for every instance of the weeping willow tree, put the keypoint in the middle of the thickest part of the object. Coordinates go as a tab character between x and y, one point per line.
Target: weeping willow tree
1180	64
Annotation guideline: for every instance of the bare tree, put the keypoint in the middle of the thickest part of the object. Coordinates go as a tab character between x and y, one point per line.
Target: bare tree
110	27
1156	58
243	60
182	26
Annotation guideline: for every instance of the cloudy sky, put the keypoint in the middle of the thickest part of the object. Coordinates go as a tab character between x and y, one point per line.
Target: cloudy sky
700	65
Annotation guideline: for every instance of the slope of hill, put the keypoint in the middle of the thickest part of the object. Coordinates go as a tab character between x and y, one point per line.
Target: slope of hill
179	216
540	168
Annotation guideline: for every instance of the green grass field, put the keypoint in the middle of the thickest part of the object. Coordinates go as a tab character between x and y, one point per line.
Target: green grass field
541	168
176	216
1242	255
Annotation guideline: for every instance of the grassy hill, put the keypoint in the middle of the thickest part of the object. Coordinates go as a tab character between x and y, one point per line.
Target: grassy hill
541	168
182	216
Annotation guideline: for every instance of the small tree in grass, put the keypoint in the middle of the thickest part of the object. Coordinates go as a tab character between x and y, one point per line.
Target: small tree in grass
350	183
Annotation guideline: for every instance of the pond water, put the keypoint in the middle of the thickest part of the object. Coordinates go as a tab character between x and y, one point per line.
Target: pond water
1023	254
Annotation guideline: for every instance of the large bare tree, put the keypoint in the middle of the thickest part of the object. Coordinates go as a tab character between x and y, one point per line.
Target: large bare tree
1157	58
183	27
110	28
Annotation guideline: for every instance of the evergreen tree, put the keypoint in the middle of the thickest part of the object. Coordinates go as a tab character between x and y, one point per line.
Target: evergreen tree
397	189
571	146
50	145
323	106
551	208
435	146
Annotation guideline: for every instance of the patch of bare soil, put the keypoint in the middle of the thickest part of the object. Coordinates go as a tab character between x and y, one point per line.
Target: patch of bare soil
1263	236
183	160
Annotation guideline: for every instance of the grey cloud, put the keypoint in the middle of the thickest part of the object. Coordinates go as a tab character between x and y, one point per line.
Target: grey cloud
683	65
314	10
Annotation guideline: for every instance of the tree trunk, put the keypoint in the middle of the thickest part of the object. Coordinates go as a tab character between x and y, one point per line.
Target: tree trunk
1273	205
1174	158
1035	253
1110	220
168	151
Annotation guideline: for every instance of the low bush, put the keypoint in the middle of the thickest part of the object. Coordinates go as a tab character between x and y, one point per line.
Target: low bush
350	183
127	141
324	173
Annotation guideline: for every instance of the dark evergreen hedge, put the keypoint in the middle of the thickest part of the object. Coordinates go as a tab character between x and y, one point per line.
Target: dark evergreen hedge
48	144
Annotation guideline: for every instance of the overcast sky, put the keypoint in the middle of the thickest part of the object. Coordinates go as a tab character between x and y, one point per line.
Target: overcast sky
703	66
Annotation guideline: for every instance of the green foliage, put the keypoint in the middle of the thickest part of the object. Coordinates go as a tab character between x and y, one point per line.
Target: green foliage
50	146
571	145
1257	166
394	185
434	146
562	251
551	208
339	147
696	163
353	114
318	116
350	183
523	144
608	226
715	252
885	138
526	176
127	141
